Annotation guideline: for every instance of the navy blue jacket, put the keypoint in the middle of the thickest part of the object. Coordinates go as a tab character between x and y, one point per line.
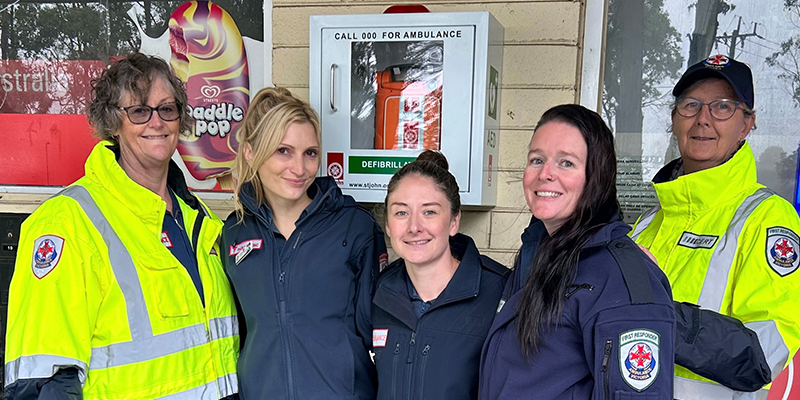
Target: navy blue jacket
306	301
435	356
615	339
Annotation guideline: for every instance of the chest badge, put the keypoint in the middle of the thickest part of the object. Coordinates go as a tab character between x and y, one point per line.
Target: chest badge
781	250
695	241
639	358
243	249
379	337
165	240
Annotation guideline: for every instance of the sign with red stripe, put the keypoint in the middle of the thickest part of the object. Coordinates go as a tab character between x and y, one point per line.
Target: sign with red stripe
787	385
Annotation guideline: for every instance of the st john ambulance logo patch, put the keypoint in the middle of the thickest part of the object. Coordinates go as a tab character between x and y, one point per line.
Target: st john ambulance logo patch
639	358
781	250
47	251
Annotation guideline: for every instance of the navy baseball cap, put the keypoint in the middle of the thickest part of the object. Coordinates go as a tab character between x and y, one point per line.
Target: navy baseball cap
737	74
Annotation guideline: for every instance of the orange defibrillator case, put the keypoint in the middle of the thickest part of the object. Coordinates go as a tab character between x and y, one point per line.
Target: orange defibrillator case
408	111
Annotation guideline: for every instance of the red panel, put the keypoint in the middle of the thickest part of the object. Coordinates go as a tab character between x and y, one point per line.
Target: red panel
43	149
787	385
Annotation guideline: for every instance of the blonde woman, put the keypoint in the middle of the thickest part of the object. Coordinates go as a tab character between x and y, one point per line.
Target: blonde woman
302	258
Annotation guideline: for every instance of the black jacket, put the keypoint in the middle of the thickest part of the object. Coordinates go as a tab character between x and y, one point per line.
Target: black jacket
306	305
614	340
437	355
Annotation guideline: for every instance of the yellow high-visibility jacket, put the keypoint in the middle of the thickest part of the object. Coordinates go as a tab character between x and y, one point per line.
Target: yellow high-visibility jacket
95	288
728	244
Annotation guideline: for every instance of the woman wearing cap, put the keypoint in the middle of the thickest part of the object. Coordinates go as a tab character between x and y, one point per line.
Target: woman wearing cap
726	242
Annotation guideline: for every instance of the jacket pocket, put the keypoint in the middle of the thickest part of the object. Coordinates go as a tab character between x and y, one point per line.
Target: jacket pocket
165	281
397	367
420	375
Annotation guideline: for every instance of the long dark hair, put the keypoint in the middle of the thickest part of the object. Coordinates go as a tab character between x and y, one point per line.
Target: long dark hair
556	260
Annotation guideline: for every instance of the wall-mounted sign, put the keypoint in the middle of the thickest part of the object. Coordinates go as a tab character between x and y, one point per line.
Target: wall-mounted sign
390	86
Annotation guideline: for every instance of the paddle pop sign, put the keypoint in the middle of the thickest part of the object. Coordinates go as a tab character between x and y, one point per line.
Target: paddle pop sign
208	53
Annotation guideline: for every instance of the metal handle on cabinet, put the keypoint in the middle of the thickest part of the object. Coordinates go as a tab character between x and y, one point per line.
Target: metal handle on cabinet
333	88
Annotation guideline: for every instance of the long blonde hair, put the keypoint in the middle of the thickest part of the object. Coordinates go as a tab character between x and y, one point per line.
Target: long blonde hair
263	128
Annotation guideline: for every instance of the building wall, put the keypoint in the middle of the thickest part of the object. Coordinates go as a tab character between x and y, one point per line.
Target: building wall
541	68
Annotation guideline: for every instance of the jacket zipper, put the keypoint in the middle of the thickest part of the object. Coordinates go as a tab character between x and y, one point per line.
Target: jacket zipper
284	318
606	355
287	353
425	351
394	367
410	364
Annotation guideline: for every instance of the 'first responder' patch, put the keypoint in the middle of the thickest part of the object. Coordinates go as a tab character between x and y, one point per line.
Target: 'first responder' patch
782	249
47	251
639	358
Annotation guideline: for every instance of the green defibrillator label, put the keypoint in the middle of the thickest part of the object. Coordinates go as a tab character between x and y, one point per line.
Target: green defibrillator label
377	165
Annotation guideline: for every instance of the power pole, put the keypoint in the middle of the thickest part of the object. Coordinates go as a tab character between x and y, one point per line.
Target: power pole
736	37
705	30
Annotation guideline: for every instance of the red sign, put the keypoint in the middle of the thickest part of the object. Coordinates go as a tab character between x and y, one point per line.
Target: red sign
47	150
336	167
787	385
47	86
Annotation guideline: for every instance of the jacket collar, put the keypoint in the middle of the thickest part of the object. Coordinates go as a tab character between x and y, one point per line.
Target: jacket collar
324	193
103	169
392	294
707	188
534	233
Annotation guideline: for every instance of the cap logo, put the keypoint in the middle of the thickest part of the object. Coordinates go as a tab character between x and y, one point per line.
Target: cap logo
717	62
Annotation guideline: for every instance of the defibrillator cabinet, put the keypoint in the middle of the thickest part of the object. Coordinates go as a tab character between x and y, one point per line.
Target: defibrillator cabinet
389	86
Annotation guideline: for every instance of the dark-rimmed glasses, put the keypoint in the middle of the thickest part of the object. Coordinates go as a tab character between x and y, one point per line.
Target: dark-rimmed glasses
721	109
140	114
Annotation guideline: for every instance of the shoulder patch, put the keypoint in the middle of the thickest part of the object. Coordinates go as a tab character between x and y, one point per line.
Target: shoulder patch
781	250
47	252
639	358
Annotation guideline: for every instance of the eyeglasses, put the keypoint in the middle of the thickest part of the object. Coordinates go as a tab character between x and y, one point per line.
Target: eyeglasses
721	109
140	114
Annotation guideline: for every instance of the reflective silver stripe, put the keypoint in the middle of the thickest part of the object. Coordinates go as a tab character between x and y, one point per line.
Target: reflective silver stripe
228	385
40	366
714	286
172	342
690	389
204	392
721	262
775	349
223	327
644	221
121	264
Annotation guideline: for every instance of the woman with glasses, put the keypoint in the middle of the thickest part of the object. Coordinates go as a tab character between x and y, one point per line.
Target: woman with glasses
727	243
118	290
